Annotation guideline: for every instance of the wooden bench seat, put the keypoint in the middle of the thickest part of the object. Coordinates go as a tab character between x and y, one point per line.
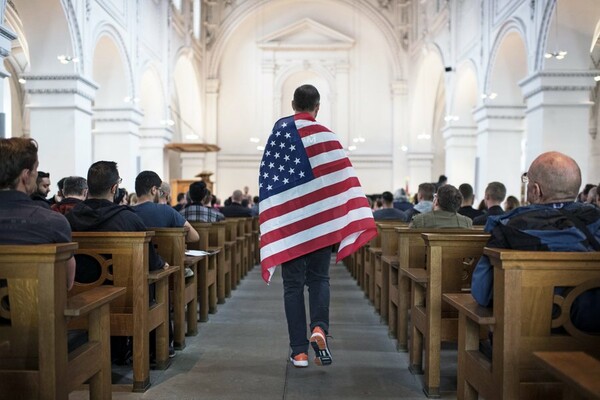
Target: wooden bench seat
122	258
170	245
522	323
212	235
450	263
578	370
34	359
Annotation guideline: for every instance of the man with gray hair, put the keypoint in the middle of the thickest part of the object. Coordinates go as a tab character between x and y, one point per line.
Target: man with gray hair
446	203
235	209
164	193
75	190
495	193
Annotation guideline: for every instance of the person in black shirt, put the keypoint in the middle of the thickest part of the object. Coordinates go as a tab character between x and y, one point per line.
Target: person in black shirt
495	193
466	208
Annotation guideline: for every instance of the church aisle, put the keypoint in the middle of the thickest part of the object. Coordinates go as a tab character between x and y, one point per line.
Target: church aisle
241	353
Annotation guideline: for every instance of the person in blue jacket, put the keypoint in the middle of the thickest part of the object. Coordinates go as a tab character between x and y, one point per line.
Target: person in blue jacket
552	222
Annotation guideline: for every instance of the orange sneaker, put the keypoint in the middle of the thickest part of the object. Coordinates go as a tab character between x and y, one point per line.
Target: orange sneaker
300	360
318	341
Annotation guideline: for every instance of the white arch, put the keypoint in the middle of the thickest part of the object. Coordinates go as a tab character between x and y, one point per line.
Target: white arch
109	72
152	99
186	101
514	25
247	9
465	92
109	30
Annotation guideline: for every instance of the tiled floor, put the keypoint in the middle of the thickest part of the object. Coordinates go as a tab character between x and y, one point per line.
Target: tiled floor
242	352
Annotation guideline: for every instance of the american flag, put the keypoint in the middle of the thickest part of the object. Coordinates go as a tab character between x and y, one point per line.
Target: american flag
310	196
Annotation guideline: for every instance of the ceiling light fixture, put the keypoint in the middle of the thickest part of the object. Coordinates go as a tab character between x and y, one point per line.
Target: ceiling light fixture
67	59
22	81
351	148
597	78
254	139
557	54
449	118
490	96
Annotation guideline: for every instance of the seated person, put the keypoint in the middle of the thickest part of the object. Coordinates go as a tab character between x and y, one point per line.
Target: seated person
401	200
495	193
181	202
195	210
552	222
444	215
42	188
164	193
466	207
154	214
424	198
236	209
74	191
22	220
387	211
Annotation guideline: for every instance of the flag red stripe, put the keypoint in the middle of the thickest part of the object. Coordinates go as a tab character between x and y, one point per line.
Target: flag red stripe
322	147
313	220
360	241
308	199
317	243
330	167
311	130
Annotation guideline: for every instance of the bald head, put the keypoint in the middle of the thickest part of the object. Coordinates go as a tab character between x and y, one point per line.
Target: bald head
553	177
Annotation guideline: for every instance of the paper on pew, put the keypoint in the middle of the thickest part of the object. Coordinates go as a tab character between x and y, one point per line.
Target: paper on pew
198	253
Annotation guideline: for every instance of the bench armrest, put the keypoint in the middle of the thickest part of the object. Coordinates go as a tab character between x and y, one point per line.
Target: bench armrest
466	304
418	275
159	274
88	301
375	250
391	260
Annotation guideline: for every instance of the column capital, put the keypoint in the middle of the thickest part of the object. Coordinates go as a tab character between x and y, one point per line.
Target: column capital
567	85
212	85
60	91
399	88
500	112
127	114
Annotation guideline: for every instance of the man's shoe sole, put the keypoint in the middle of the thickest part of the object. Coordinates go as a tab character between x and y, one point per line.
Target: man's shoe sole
319	345
299	364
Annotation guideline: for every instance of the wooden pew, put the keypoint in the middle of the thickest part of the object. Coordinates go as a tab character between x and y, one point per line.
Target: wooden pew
411	254
34	360
207	270
235	251
450	263
256	239
170	245
123	260
578	370
212	239
522	323
371	252
387	256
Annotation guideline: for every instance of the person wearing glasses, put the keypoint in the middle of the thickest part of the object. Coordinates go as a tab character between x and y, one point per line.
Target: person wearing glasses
552	222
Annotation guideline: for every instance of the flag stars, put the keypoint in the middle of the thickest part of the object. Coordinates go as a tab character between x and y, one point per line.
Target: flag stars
271	165
269	187
267	153
286	181
281	145
272	143
262	163
276	155
275	178
301	174
283	125
281	168
292	147
287	135
291	171
297	161
278	133
286	158
265	175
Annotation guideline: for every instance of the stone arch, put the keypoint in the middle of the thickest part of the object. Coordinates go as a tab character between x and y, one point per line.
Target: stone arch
107	30
516	32
186	104
51	30
508	66
152	97
247	9
110	72
465	93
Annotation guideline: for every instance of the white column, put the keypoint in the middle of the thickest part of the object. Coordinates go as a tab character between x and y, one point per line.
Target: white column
152	149
499	138
558	114
117	138
419	169
212	128
6	36
268	98
400	171
461	150
60	119
342	103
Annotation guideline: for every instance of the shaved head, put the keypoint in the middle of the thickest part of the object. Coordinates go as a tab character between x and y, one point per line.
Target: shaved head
553	177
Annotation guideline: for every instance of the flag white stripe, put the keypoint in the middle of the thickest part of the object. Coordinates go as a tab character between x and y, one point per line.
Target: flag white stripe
315	232
310	209
306	188
349	240
320	137
327	157
303	123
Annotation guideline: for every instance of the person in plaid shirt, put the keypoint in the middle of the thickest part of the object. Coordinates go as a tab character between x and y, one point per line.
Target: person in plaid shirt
196	212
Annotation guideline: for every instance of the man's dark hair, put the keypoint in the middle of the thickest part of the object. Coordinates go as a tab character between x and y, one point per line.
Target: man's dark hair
427	190
145	181
587	188
198	191
101	176
466	191
306	98
16	154
387	197
180	196
61	183
74	186
449	198
442	179
42	175
496	191
120	194
255	199
245	203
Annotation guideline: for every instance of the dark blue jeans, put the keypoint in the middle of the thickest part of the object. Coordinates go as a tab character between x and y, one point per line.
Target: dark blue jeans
311	270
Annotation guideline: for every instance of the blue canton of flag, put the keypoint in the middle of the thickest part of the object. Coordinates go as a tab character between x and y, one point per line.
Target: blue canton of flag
285	163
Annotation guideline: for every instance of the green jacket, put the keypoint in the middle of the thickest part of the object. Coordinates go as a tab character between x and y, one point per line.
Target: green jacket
441	219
